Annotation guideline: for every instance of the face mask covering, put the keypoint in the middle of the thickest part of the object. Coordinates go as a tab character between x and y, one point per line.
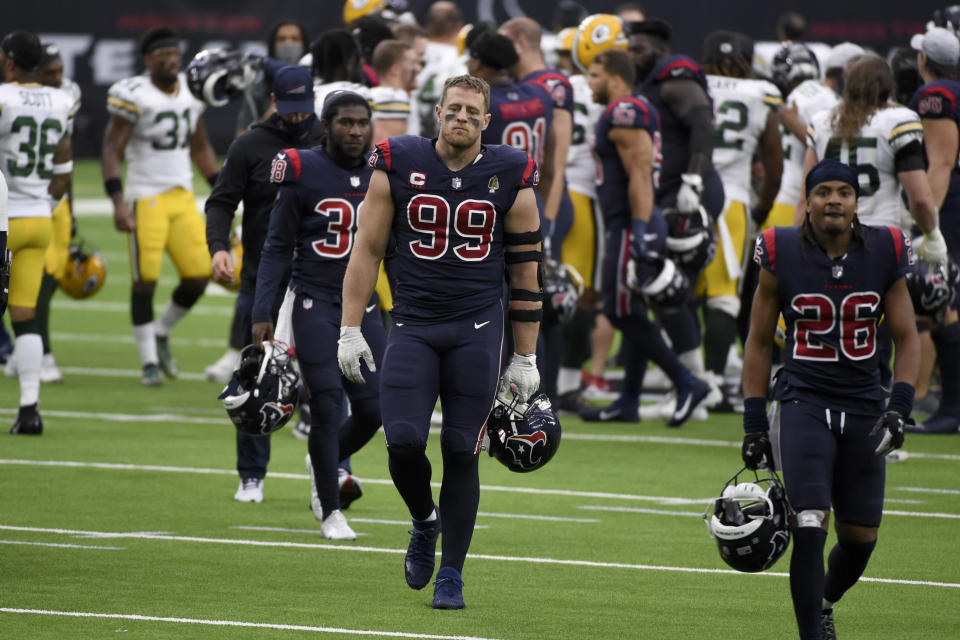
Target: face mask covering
290	52
297	129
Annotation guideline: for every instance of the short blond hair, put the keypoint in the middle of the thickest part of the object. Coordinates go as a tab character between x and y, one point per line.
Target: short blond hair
468	82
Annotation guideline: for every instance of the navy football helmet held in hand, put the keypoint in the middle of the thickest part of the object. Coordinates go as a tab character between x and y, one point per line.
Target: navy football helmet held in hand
933	287
523	438
263	392
217	76
659	281
750	521
562	287
691	242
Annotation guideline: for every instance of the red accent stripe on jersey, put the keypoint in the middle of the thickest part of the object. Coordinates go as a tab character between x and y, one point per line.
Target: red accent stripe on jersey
632	100
689	64
528	171
519	110
770	241
294	156
897	241
384	147
623	293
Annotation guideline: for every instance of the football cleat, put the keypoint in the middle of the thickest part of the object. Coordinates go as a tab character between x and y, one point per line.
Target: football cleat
151	377
335	527
827	630
690	398
938	423
523	440
250	490
448	589
28	422
49	371
421	555
595	34
262	394
167	364
622	410
350	489
85	272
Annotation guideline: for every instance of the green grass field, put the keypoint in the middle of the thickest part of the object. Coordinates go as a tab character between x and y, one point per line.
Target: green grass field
120	519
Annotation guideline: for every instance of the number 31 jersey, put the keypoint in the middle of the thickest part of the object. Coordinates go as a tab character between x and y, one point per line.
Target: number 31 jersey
446	259
158	153
33	120
832	308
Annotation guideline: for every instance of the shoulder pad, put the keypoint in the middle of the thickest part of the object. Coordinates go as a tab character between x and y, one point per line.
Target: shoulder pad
381	157
631	112
286	167
675	67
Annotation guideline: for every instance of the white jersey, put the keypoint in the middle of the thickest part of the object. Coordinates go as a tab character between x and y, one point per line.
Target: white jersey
581	169
393	103
322	90
158	153
872	154
441	61
809	97
740	108
33	121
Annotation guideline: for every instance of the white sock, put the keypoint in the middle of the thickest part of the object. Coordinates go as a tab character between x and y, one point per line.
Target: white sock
432	517
146	343
568	380
171	316
28	351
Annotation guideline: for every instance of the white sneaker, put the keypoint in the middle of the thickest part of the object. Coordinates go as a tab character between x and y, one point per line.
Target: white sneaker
49	371
222	370
335	527
315	505
250	490
302	430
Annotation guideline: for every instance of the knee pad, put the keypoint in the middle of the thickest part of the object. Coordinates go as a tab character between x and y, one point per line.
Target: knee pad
727	304
811	518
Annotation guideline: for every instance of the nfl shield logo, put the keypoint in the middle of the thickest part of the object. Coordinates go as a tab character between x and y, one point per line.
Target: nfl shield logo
456	182
354	181
837	271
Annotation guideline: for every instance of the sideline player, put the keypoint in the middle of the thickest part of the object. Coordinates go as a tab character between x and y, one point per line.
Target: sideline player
832	279
314	221
460	213
36	163
155	125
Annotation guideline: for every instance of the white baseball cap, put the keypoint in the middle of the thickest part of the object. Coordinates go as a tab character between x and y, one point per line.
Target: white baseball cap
841	54
939	44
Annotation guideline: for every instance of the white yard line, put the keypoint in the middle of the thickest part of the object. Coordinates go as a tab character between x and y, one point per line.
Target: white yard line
64	336
124	307
62	546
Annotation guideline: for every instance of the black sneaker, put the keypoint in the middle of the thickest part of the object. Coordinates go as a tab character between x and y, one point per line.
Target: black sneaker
448	589
621	410
167	364
938	423
28	422
422	552
827	630
688	399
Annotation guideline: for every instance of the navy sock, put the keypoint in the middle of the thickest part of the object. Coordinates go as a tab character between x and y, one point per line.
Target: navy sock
806	579
643	340
845	566
459	500
411	471
683	328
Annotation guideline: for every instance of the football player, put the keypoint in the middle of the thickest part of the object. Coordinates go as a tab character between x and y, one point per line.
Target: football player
36	162
314	220
337	65
938	51
832	279
460	214
626	143
397	65
746	122
441	60
155	125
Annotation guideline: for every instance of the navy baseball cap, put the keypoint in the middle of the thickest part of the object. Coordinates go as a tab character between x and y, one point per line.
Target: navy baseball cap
293	88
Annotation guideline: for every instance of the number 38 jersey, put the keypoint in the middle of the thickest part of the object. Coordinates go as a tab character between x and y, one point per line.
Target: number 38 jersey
158	153
446	259
741	106
871	153
33	120
832	308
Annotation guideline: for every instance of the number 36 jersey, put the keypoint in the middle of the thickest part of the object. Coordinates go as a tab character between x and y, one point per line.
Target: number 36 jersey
832	308
871	153
158	153
33	120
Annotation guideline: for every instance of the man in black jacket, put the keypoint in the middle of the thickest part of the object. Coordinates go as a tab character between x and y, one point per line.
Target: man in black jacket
246	176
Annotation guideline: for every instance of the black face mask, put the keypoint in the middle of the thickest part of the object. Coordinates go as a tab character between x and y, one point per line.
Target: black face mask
297	129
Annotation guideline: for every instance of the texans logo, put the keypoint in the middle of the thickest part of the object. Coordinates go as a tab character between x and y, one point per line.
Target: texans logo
274	415
527	450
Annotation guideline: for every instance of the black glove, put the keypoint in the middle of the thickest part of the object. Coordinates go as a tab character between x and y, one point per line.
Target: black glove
891	423
756	451
759	215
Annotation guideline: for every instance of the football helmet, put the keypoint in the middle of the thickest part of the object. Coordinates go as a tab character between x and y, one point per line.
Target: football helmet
691	242
217	76
750	521
354	9
562	287
523	437
565	39
236	252
85	272
948	18
792	64
933	287
597	33
263	392
660	281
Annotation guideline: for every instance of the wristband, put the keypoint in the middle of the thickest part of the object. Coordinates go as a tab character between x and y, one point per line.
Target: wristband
901	398
112	186
755	415
62	168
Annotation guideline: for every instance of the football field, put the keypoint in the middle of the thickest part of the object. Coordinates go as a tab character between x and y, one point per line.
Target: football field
120	518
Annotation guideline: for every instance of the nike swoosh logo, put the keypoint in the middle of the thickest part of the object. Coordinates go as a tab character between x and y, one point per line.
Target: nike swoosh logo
477	325
399	324
686	406
650	237
606	415
371	308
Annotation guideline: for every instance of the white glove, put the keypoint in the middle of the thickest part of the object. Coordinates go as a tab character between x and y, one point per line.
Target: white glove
933	249
688	197
351	348
521	378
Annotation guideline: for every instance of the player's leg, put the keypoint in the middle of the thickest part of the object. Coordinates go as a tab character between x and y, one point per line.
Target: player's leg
146	258
27	240
186	243
55	263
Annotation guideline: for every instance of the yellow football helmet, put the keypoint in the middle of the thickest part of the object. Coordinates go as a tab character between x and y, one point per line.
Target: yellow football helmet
565	39
236	252
354	9
462	38
595	34
85	272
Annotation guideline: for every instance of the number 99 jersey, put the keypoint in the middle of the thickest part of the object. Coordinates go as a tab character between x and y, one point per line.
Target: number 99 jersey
33	120
871	154
832	308
158	153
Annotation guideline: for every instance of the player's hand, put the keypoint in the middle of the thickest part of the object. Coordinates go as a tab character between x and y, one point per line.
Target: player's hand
759	215
351	349
933	249
123	218
756	451
521	378
688	197
638	240
891	423
262	331
222	266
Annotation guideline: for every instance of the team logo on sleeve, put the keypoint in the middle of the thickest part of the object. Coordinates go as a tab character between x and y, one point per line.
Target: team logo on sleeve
493	184
559	93
278	170
930	104
911	259
758	251
623	115
373	159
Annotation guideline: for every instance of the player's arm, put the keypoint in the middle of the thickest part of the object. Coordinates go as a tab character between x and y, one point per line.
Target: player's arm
274	260
898	311
555	162
789	117
635	148
202	153
220	208
771	155
691	105
522	255
917	188
62	170
941	139
369	246
115	140
758	349
809	160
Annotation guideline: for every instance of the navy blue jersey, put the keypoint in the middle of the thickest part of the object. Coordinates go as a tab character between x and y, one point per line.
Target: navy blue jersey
521	115
676	136
940	99
556	84
448	226
612	181
314	218
831	308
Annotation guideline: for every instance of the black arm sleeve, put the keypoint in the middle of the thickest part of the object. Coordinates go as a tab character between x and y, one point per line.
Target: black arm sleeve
691	105
227	193
277	251
909	158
